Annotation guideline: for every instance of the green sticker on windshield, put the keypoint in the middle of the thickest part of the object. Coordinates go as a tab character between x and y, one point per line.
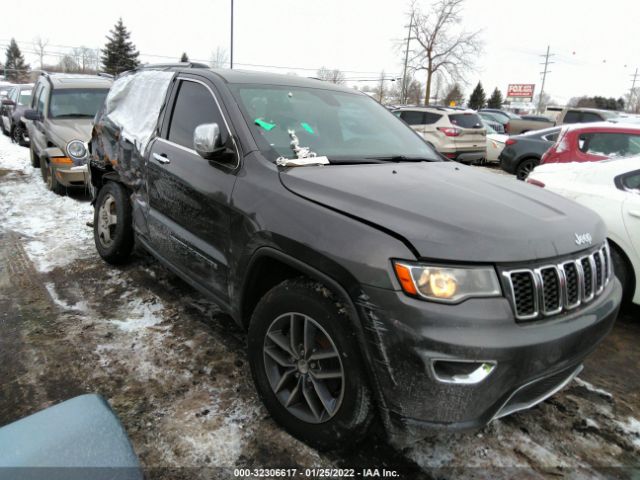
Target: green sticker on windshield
307	127
266	125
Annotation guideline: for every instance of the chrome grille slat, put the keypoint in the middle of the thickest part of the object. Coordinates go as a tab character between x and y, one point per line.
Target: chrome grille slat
551	289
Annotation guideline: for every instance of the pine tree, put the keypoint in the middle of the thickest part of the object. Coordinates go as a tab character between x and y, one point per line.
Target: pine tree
454	95
15	66
478	99
496	99
119	54
184	58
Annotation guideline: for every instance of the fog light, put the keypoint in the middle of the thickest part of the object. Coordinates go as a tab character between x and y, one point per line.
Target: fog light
462	372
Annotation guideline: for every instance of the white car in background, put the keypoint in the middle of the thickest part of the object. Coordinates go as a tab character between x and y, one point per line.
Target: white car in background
495	142
612	189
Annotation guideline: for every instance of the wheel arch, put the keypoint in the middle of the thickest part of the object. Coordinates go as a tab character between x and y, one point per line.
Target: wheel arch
630	269
266	257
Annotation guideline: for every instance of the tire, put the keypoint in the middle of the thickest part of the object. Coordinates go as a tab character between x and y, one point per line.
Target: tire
623	270
4	130
113	236
347	412
18	135
35	160
525	167
48	175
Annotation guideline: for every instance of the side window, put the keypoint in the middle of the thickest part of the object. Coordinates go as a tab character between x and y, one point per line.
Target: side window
572	116
431	118
552	137
413	117
42	100
632	181
36	94
611	144
588	117
193	106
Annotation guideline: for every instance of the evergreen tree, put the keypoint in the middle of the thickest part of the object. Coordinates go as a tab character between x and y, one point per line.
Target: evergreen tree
496	100
184	58
478	99
454	95
15	66
119	54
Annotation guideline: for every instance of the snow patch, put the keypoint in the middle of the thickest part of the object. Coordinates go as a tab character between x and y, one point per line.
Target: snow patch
141	314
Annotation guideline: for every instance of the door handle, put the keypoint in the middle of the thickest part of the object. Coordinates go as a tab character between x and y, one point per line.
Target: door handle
634	213
161	158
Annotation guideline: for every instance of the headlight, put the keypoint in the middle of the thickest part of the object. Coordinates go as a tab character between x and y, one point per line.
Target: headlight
447	284
76	149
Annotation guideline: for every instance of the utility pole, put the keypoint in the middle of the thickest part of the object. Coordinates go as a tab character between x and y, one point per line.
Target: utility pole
406	60
633	89
231	54
544	76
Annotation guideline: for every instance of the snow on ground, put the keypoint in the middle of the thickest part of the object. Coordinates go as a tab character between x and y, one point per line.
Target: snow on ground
54	225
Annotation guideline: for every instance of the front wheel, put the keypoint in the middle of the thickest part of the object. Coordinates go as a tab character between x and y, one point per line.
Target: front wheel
112	224
19	135
307	366
49	177
526	167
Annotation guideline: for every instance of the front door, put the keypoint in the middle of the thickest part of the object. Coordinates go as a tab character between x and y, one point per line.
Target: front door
189	196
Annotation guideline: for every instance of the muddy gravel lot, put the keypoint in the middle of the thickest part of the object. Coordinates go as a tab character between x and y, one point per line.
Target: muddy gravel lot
175	370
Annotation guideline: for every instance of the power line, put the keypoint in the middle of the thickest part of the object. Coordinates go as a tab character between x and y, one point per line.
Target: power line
5	43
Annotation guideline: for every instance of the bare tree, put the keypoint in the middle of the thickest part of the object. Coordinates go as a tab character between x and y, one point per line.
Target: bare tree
39	45
220	58
380	89
84	58
68	64
442	46
329	75
414	92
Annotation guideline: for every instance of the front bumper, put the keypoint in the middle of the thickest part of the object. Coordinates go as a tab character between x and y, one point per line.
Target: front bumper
72	176
531	358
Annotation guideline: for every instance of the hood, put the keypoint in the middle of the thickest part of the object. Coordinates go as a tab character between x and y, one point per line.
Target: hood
65	130
450	212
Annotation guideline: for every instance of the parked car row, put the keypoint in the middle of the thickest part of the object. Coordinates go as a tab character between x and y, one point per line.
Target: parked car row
12	107
376	279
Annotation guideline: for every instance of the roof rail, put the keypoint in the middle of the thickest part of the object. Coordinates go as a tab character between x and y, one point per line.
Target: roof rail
172	65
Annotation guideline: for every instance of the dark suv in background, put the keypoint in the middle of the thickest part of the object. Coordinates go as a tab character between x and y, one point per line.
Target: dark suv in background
372	277
11	112
59	122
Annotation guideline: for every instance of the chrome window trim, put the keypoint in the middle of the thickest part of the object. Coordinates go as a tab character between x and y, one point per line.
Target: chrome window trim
224	119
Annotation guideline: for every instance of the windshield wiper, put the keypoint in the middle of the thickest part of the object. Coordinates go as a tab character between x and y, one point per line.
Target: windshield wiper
401	158
74	115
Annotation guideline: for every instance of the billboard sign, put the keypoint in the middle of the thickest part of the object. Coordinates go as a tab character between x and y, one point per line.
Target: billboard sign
520	91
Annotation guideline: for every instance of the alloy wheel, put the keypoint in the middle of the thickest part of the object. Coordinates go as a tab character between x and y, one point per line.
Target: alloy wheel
526	168
107	221
304	367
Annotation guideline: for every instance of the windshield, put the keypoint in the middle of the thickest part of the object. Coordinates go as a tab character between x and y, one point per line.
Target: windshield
25	98
76	102
338	125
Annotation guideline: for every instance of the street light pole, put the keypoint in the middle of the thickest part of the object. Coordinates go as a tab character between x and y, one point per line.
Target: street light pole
231	54
406	60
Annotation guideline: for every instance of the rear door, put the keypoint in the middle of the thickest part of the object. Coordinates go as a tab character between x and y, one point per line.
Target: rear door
189	196
473	135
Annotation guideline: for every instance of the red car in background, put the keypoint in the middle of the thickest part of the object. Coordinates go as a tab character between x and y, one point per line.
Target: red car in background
593	142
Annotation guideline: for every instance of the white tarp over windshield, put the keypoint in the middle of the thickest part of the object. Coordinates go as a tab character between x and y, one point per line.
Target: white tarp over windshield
134	103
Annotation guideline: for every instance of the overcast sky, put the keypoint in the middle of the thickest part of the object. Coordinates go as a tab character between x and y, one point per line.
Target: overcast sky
595	43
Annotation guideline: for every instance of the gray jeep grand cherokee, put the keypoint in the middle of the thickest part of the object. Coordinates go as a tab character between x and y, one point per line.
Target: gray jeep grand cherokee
374	280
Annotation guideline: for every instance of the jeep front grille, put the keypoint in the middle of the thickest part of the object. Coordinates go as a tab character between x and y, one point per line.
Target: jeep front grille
551	289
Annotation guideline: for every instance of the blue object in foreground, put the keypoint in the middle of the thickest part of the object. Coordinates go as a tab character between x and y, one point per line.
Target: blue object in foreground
79	438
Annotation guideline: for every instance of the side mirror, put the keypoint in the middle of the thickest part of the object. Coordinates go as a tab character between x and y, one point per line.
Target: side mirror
207	140
6	101
33	115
